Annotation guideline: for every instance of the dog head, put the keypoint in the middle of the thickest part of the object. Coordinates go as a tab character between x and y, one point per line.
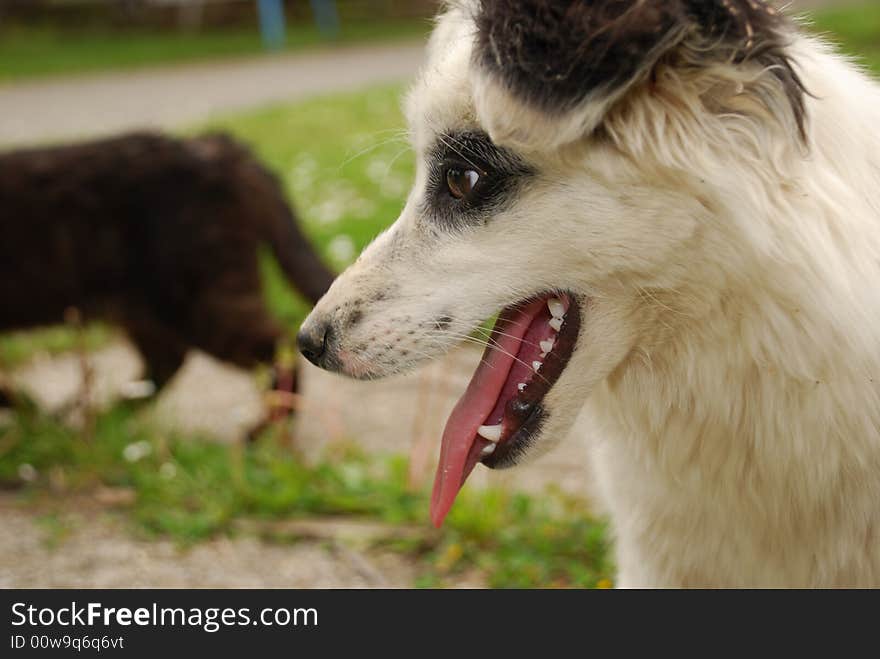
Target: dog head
567	158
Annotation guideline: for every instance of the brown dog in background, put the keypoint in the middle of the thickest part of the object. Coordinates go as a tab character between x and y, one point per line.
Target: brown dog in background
156	234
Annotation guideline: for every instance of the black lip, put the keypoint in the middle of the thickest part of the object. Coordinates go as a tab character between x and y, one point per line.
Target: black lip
507	452
526	410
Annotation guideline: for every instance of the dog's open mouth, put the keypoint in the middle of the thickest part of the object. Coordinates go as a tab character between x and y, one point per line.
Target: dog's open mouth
502	408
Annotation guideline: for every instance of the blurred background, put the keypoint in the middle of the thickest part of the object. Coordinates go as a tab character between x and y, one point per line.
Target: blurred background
176	492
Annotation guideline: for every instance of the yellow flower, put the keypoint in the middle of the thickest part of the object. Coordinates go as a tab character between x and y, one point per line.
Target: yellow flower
450	557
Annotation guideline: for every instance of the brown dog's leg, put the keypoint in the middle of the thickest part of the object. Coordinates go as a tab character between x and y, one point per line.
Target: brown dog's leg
235	327
163	349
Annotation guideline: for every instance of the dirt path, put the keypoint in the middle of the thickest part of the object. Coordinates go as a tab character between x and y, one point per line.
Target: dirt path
89	105
89	545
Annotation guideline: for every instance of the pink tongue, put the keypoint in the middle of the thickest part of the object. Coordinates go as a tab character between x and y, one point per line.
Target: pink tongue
457	457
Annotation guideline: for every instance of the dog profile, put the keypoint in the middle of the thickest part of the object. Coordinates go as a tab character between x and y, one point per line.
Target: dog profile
676	207
157	234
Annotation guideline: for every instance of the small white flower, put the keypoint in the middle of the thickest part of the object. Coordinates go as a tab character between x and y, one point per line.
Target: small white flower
138	389
393	187
329	211
168	470
377	170
26	472
341	249
137	451
362	209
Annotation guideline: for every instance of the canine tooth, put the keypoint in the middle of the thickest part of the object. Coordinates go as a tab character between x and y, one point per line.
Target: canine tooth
557	309
556	323
492	433
547	345
489	449
537	365
521	386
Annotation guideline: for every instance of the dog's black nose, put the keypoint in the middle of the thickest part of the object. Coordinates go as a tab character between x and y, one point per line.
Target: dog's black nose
312	341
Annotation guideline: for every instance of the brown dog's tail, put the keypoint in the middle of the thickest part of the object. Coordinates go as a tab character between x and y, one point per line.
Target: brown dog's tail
297	258
294	252
262	194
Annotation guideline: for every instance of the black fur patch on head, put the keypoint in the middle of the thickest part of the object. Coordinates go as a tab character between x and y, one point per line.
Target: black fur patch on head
554	54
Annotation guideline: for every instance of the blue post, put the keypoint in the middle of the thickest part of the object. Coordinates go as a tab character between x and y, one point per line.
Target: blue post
272	23
326	17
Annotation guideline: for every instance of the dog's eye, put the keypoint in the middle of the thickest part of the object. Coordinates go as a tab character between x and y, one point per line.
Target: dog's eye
461	182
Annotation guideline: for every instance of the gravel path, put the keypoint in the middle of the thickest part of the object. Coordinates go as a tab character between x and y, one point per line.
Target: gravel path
86	546
81	106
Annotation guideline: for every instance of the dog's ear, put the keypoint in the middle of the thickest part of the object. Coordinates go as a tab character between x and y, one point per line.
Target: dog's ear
547	71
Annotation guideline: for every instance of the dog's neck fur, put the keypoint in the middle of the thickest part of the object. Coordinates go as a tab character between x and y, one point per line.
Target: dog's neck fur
764	380
721	231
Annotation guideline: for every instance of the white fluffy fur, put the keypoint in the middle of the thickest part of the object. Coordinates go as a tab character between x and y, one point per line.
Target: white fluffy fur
731	343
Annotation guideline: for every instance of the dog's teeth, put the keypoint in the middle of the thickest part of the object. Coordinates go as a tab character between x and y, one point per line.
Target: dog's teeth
492	433
521	386
543	355
489	449
557	309
556	323
547	345
537	365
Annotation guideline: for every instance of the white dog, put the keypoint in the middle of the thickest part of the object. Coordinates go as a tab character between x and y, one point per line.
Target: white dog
676	206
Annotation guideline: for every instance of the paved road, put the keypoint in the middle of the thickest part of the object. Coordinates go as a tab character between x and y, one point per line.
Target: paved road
161	98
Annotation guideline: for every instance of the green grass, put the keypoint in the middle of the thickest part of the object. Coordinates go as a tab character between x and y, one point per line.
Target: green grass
28	52
347	185
191	490
855	29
